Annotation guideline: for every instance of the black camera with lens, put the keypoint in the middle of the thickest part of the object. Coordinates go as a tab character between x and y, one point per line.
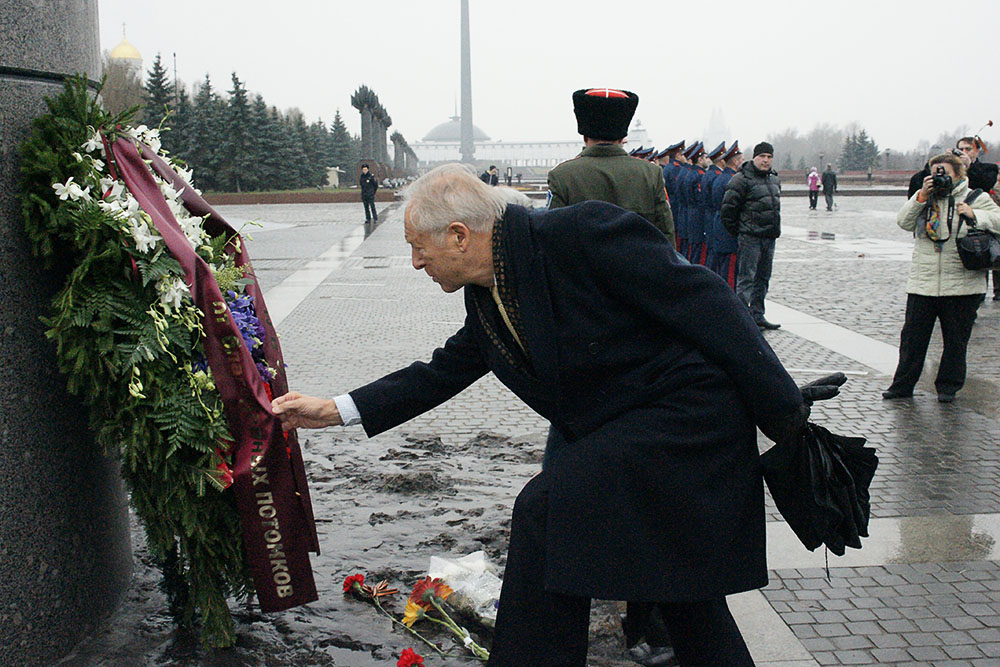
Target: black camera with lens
941	184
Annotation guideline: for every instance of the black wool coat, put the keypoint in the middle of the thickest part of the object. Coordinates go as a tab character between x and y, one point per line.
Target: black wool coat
654	375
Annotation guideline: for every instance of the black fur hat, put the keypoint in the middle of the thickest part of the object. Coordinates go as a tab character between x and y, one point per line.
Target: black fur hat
604	113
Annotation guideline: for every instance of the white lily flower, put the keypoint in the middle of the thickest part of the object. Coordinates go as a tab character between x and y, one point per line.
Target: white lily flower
171	290
71	190
154	144
94	143
62	189
99	165
145	240
77	156
186	174
168	191
113	188
178	210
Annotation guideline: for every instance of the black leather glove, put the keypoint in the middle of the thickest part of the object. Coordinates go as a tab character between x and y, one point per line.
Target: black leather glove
823	388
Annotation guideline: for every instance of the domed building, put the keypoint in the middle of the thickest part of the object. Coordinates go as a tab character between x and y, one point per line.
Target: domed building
127	55
452	131
443	143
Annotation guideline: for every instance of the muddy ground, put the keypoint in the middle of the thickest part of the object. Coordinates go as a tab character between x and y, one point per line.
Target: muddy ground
383	508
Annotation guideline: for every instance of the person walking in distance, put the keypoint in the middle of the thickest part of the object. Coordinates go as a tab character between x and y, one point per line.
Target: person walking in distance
751	211
829	186
369	185
812	180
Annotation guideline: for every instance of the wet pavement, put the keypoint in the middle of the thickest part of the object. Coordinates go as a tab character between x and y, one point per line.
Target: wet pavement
924	590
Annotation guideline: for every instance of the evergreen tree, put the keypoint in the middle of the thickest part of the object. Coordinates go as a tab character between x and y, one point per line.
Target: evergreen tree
159	94
203	136
802	163
318	150
867	151
176	140
300	166
237	149
268	155
860	152
290	153
340	145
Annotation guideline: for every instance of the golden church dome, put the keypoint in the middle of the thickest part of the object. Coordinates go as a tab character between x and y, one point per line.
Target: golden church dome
125	51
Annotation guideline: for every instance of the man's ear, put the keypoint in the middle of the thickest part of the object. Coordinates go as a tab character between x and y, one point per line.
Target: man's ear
459	235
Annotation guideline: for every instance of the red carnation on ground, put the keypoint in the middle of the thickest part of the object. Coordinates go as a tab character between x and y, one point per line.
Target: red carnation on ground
351	581
408	658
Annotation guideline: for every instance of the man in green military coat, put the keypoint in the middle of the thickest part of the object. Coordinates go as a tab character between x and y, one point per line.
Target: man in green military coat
604	171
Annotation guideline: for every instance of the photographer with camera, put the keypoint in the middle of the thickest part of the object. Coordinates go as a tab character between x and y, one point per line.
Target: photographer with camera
939	286
981	175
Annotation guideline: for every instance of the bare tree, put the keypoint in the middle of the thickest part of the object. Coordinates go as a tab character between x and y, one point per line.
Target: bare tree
122	86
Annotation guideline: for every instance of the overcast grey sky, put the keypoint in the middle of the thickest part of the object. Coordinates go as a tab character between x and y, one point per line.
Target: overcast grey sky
769	65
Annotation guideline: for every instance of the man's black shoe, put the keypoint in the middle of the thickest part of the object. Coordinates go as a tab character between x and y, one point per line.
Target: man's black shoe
767	326
946	398
890	394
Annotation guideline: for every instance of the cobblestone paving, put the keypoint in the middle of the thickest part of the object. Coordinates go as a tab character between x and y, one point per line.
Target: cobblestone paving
926	613
376	313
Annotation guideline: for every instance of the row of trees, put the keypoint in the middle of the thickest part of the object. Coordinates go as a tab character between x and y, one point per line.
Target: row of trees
234	141
852	149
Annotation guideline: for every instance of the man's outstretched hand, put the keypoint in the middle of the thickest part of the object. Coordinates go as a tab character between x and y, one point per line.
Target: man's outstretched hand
297	410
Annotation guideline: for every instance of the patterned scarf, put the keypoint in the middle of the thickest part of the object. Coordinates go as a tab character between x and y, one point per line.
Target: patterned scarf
932	220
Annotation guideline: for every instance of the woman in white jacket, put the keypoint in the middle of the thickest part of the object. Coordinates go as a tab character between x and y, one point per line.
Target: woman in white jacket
940	287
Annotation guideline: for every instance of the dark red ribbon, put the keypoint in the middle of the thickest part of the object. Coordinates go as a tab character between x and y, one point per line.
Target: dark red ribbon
268	472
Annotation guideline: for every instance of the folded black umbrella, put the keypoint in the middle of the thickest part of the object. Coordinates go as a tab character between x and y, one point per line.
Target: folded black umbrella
819	482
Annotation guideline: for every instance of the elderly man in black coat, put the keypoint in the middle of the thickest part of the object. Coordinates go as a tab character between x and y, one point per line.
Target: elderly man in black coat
653	375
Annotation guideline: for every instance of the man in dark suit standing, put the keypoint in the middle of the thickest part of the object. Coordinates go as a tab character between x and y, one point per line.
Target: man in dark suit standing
369	185
653	375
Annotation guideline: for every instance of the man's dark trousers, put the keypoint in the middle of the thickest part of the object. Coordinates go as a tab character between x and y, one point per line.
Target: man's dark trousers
370	213
753	272
957	315
540	627
828	196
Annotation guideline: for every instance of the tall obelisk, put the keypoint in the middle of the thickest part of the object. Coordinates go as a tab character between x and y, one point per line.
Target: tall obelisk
468	148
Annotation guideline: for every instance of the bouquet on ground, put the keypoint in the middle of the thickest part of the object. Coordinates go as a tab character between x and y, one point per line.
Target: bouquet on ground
426	602
160	329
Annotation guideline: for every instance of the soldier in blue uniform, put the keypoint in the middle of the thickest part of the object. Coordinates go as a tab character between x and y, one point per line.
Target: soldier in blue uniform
684	176
696	221
722	256
704	196
671	159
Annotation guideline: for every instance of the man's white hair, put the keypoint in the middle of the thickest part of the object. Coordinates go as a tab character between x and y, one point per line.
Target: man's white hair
512	196
453	193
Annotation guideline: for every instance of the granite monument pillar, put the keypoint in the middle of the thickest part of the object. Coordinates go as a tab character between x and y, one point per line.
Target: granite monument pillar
65	550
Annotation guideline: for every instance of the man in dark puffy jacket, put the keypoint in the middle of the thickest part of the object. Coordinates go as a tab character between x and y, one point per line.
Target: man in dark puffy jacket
751	211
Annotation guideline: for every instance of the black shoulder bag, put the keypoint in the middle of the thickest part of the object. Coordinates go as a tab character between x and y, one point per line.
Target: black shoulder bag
978	249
